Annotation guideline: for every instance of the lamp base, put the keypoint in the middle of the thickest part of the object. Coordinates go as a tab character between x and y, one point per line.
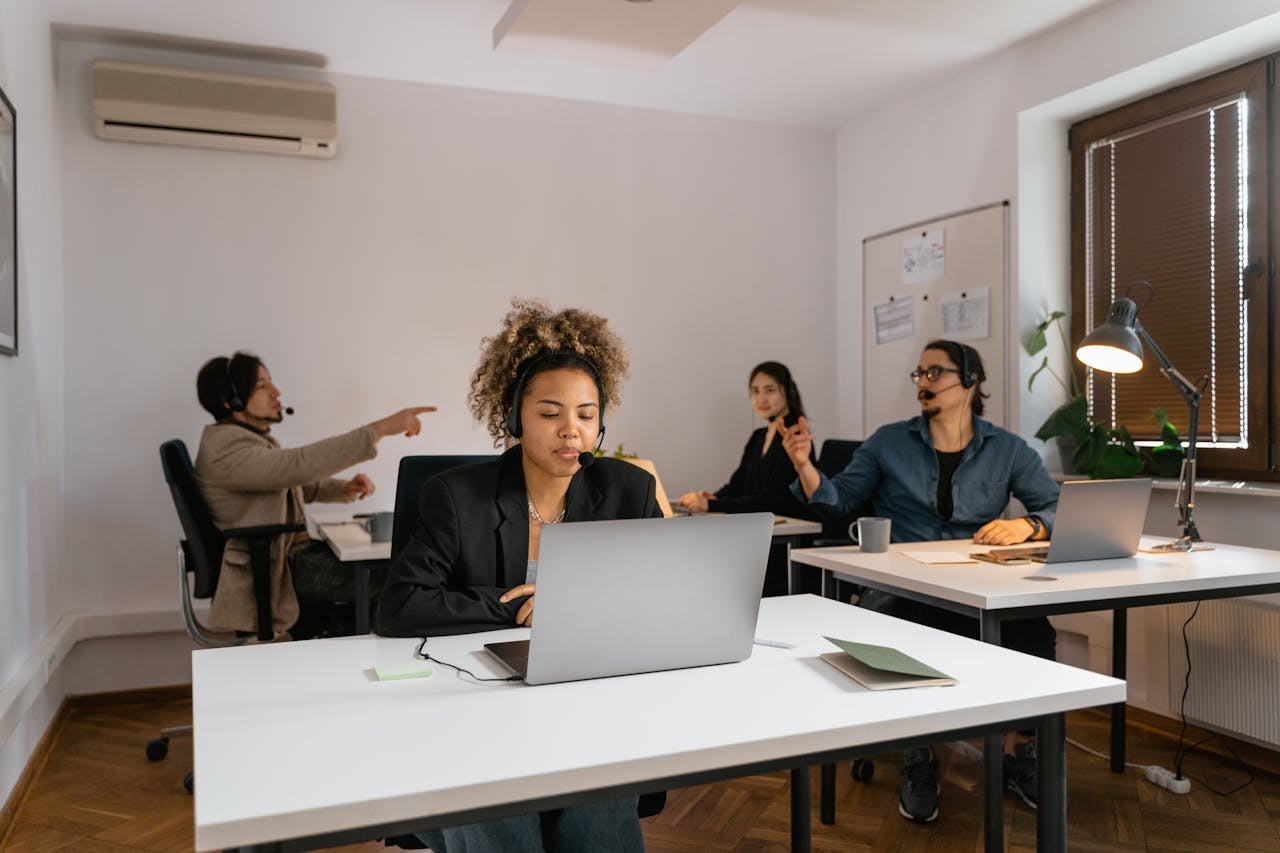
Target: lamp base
1182	544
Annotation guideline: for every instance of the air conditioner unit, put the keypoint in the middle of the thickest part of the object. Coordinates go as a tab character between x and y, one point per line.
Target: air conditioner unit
136	102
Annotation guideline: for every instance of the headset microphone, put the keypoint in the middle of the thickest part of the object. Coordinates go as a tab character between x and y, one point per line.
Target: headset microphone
586	459
929	395
288	410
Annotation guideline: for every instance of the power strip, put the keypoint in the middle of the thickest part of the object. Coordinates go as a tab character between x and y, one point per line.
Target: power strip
1167	780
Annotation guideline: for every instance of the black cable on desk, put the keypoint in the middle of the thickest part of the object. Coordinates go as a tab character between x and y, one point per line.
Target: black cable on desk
422	653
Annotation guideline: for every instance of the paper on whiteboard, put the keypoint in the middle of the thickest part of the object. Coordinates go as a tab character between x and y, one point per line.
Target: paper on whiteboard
966	314
924	256
893	320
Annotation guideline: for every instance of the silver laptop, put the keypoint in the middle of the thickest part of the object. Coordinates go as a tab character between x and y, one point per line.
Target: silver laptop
1096	520
642	595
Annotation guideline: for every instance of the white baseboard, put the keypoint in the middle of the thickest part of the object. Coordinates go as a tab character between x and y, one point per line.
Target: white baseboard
22	690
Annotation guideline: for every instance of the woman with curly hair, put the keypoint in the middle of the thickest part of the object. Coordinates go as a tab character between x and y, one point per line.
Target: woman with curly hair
543	386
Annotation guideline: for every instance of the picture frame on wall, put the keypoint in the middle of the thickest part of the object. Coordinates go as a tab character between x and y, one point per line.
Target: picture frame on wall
8	228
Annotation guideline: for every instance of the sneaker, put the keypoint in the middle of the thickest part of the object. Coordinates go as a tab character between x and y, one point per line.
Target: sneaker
1020	773
921	784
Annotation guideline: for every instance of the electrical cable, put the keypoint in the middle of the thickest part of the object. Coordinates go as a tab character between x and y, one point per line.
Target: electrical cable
1180	752
422	653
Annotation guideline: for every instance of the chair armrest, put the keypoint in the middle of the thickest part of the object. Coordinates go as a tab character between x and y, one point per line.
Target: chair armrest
263	530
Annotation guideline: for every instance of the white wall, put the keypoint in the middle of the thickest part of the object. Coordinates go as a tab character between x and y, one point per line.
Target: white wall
367	282
999	132
31	404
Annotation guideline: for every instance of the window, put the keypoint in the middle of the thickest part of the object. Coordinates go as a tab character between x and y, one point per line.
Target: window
1173	190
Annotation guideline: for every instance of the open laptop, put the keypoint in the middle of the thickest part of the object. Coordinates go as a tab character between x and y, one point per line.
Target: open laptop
1096	520
642	595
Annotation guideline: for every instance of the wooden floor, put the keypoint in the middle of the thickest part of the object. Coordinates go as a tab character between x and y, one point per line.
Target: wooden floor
97	792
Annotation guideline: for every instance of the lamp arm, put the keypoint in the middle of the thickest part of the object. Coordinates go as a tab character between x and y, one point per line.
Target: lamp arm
1184	385
1185	501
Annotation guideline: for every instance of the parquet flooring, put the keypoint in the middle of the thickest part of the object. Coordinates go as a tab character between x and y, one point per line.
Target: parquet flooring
98	793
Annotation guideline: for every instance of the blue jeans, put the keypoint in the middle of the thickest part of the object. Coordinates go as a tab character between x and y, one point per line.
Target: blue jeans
608	827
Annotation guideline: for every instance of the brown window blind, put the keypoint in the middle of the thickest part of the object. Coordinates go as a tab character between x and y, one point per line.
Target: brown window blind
1170	191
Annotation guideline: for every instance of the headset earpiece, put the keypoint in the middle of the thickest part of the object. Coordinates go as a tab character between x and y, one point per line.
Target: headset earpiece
514	427
234	402
967	376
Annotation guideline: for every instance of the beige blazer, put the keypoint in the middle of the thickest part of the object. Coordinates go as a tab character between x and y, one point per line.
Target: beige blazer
248	479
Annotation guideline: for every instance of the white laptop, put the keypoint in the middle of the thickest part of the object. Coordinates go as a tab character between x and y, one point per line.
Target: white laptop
642	595
1096	520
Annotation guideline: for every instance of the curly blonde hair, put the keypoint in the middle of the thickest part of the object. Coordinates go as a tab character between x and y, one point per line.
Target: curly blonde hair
530	329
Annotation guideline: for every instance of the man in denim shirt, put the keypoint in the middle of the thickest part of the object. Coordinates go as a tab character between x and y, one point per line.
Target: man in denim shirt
945	474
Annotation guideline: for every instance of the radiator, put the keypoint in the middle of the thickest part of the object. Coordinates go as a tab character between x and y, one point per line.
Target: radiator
1235	667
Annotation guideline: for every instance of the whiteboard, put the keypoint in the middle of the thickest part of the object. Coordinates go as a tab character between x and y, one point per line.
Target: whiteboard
928	281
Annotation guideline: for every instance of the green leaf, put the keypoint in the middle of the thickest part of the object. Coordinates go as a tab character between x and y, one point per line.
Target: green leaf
1044	364
1071	418
1037	340
1056	315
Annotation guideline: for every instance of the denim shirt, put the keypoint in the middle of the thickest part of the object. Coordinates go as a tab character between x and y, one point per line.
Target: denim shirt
897	469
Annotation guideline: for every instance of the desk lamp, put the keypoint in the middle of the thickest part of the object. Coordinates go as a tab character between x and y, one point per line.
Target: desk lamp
1116	347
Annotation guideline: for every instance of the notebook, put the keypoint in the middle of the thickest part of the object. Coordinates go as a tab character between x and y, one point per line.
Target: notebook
882	667
1096	520
642	595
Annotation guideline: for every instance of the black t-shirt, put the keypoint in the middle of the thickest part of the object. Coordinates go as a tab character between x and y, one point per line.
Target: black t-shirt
947	463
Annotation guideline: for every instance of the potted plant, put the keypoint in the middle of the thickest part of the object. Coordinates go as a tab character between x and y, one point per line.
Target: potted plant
1069	423
1084	446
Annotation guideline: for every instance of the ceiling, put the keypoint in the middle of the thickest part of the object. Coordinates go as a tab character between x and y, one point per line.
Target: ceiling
814	63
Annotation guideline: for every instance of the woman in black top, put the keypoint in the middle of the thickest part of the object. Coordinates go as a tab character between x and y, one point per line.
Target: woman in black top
544	380
761	482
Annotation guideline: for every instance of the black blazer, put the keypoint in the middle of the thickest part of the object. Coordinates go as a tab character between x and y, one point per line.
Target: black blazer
762	482
471	542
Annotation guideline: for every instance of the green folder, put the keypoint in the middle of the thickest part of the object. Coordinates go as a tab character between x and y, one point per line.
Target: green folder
883	668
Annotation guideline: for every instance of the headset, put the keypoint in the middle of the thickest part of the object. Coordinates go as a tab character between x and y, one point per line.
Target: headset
968	376
233	399
514	427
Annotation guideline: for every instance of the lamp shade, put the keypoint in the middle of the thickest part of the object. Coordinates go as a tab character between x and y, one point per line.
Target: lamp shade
1114	346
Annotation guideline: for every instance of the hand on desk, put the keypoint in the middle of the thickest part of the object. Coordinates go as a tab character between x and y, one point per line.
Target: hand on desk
524	616
358	487
696	501
1004	531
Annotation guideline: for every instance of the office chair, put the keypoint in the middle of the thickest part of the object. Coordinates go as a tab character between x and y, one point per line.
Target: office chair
414	473
200	555
835	456
412	476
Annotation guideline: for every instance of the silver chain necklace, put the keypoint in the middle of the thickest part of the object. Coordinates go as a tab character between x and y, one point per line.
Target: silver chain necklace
539	520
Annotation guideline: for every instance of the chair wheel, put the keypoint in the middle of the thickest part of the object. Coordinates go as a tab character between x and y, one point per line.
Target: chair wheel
862	769
157	749
189	782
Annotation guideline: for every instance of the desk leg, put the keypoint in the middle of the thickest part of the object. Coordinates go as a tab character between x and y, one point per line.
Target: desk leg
827	796
793	582
992	762
1051	816
362	598
1119	657
800	810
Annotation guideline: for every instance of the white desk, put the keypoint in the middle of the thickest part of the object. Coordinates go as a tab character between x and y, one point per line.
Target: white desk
994	594
297	741
784	525
350	542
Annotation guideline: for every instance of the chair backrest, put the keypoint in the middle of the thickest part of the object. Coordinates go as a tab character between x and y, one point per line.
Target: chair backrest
836	455
204	543
414	473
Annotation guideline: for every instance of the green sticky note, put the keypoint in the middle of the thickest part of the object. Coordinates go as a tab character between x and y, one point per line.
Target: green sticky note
395	670
886	659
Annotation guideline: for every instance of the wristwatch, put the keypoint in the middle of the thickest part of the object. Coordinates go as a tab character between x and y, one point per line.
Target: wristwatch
1036	525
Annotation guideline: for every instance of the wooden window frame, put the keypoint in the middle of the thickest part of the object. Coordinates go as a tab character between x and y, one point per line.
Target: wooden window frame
1257	79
